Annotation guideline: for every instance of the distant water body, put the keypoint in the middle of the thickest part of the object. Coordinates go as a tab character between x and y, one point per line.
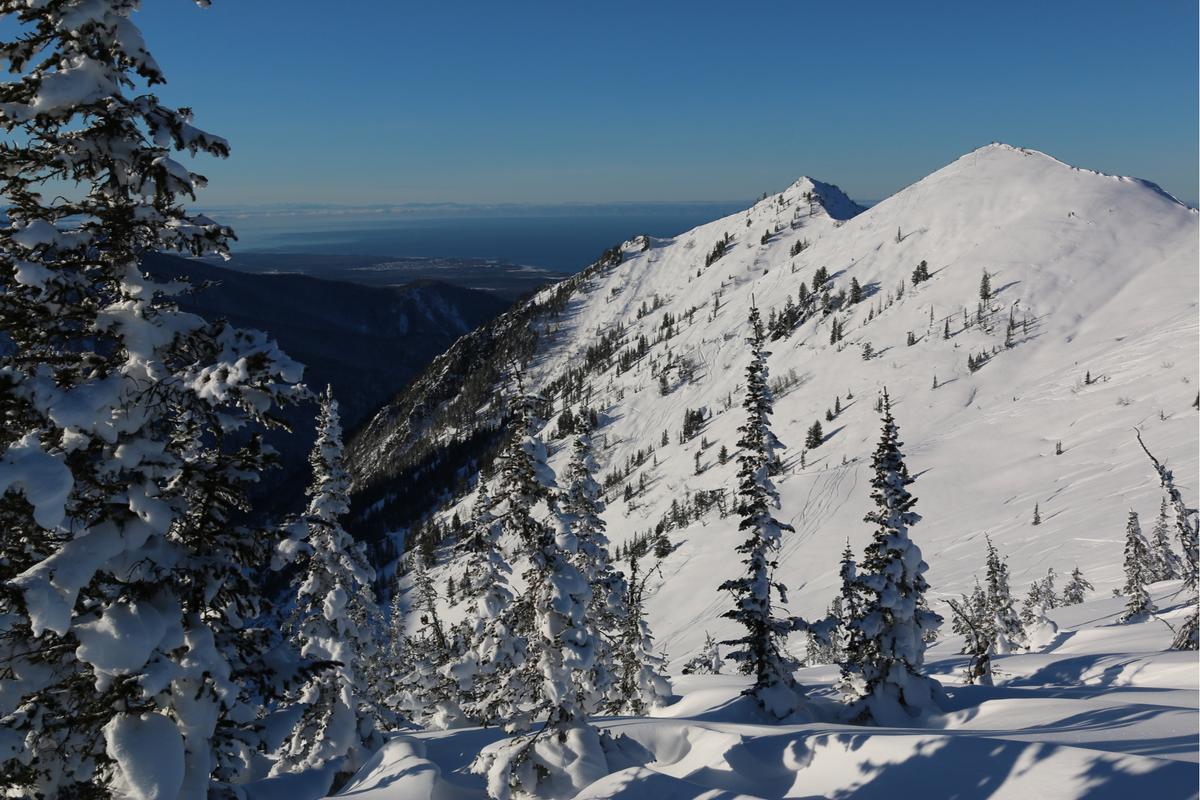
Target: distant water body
565	240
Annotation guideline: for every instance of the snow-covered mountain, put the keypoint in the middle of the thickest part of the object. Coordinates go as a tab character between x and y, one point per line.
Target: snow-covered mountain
1091	331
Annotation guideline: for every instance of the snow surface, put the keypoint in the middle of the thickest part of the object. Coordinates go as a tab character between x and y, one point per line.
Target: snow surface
1103	712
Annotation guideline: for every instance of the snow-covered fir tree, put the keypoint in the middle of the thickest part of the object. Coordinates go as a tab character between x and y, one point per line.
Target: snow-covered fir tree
883	678
129	575
1007	632
829	646
707	661
974	609
1049	596
333	618
556	685
485	648
1076	589
1039	630
759	652
1187	530
641	684
479	536
824	646
1139	572
850	595
1167	564
489	671
429	693
390	663
1040	598
973	622
583	507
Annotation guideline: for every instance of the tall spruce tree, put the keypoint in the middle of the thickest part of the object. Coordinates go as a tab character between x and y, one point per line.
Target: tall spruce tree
1167	565
1003	623
495	634
850	601
759	652
883	679
126	556
486	649
641	684
557	683
333	618
1139	571
606	610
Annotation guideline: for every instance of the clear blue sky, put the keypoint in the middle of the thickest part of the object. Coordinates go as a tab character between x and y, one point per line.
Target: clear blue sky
379	101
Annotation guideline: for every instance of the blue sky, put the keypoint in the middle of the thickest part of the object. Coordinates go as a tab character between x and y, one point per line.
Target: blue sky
386	101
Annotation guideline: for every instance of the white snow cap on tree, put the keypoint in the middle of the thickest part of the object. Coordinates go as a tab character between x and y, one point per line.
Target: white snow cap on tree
564	667
130	571
333	618
760	651
883	678
1139	572
1004	626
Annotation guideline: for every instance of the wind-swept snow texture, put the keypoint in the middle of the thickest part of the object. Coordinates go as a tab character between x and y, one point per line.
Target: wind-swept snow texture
1103	713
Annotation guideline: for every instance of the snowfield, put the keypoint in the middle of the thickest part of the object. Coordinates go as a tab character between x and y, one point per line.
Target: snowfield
1103	712
1105	269
1091	331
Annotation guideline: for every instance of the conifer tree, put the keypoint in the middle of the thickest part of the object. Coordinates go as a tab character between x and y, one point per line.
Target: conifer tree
1139	569
333	617
971	621
1046	591
495	636
640	682
856	294
607	611
1167	565
850	601
1076	588
1003	623
480	535
1187	528
707	661
976	607
555	665
985	287
126	552
815	436
485	649
760	651
1032	604
883	679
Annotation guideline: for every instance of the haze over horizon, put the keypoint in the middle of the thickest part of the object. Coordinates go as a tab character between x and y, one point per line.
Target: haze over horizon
564	104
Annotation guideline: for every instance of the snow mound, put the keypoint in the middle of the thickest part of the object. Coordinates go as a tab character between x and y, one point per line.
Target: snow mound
1110	716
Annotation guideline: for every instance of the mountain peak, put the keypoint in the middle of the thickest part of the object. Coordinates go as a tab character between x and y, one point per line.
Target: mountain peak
836	204
997	159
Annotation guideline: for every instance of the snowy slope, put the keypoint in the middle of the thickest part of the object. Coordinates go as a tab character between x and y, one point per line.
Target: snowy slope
1103	268
1102	713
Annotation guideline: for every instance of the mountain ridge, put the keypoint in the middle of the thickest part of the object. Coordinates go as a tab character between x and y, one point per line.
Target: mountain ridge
1096	275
